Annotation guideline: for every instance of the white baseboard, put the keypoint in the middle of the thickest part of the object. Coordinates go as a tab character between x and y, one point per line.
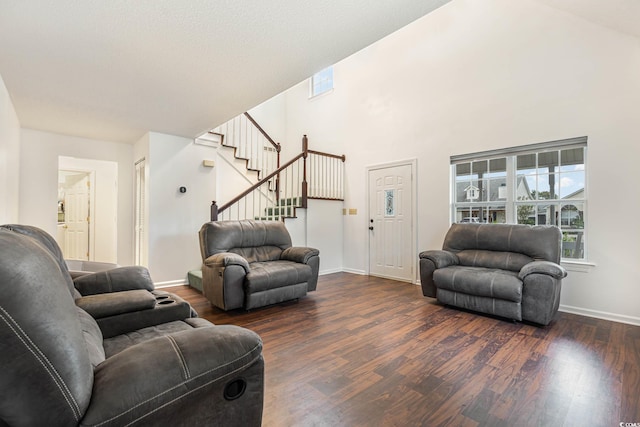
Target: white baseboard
169	283
621	318
330	271
353	271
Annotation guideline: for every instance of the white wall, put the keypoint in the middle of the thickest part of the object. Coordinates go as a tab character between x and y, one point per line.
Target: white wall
39	180
475	76
324	232
271	116
9	158
175	218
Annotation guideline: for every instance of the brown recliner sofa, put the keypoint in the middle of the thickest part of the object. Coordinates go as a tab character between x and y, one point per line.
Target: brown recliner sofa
58	370
506	270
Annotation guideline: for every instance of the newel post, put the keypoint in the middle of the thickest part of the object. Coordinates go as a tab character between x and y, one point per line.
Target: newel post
214	211
305	154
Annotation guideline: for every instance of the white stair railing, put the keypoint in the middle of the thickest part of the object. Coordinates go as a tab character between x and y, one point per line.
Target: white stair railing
250	143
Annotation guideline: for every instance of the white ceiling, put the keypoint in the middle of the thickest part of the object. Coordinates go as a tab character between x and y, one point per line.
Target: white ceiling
113	70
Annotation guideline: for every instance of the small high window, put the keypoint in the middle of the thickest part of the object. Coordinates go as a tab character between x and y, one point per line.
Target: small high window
321	82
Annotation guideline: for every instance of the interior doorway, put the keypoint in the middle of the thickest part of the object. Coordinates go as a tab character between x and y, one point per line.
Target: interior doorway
74	207
87	209
392	236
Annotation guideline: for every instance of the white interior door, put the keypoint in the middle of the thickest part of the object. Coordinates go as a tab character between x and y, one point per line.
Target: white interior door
77	219
391	234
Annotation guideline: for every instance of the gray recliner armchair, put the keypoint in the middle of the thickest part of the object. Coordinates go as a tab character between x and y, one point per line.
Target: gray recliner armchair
58	370
249	264
506	270
122	299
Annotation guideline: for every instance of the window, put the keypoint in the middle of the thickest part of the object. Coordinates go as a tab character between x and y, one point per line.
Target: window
539	184
321	82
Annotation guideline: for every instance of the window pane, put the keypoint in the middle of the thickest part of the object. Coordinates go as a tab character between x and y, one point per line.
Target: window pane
573	244
463	181
548	162
526	164
572	159
526	214
498	166
322	81
572	185
463	169
572	216
497	189
467	214
544	185
496	214
497	184
479	168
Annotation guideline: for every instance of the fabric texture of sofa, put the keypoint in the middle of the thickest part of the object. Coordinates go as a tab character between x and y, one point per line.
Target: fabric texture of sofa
58	370
249	264
506	270
121	299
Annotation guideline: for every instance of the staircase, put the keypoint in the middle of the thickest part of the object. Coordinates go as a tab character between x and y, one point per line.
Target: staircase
280	190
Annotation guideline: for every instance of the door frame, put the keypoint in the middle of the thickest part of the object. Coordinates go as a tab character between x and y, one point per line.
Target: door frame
414	211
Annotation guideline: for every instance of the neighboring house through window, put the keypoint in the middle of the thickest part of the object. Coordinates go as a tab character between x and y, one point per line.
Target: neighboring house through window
538	184
321	82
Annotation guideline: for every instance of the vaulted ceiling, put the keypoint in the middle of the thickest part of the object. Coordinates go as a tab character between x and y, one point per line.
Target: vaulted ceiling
113	70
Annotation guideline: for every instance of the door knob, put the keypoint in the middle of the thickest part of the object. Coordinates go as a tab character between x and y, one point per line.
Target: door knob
371	228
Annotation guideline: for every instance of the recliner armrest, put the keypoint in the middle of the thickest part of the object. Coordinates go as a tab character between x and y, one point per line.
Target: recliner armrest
114	303
226	259
440	258
543	267
299	254
176	371
115	280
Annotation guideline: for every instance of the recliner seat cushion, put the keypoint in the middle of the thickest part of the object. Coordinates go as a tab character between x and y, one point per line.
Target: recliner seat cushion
275	274
118	343
479	281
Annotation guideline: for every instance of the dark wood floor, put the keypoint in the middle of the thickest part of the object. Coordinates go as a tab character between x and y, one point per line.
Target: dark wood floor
364	351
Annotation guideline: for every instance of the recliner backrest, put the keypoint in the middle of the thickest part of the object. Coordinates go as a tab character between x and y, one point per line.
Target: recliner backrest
505	246
255	241
51	375
48	242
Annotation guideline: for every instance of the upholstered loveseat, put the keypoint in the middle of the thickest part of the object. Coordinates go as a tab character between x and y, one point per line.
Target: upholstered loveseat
58	370
506	270
249	264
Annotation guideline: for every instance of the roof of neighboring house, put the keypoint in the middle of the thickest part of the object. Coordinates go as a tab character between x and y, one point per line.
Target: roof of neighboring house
494	188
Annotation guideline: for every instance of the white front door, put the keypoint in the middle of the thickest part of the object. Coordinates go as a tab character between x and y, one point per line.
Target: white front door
391	236
77	219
